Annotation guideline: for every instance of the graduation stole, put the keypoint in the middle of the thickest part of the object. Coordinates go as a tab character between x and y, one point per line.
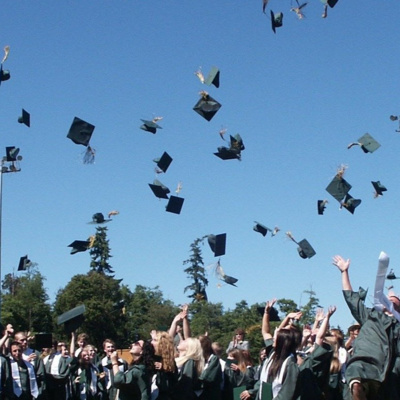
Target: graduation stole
52	363
17	388
277	383
83	381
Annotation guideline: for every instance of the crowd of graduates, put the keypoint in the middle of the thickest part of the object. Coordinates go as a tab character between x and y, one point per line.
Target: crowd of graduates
312	362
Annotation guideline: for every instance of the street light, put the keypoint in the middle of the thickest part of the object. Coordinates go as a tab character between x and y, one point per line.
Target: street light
9	163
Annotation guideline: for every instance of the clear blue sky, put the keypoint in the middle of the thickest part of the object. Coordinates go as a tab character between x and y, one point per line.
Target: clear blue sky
297	98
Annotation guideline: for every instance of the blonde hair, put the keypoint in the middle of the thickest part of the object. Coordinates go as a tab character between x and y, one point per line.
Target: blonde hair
166	350
194	352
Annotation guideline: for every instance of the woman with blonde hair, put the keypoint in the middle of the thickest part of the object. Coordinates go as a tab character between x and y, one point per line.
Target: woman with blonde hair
166	376
190	364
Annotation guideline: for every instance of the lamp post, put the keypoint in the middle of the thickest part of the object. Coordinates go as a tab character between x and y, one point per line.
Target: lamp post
9	163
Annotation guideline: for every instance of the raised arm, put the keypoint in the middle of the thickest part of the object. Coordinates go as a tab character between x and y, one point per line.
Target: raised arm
324	326
186	326
288	320
343	266
265	328
72	345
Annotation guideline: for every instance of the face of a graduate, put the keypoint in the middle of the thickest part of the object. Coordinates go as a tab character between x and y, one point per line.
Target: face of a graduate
85	357
136	348
109	348
92	353
62	348
154	343
23	340
16	352
82	343
182	347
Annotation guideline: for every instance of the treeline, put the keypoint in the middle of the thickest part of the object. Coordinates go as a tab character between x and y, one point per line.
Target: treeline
114	311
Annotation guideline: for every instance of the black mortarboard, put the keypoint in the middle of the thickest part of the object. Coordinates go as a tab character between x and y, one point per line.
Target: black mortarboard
237	143
159	190
4	74
213	77
227	154
230	280
273	313
276	20
24	263
80	131
367	143
321	204
98	218
332	3
150	126
207	107
72	319
43	341
217	244
379	188
350	203
25	118
12	153
163	162
119	305
174	205
305	249
391	275
79	245
338	188
260	228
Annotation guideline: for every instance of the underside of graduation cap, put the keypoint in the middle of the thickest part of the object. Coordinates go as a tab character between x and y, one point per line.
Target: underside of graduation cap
225	153
80	131
305	249
72	319
230	280
4	74
98	218
217	244
379	188
164	161
159	190
350	203
338	188
276	20
213	77
174	205
79	246
150	126
25	118
321	205
207	107
12	153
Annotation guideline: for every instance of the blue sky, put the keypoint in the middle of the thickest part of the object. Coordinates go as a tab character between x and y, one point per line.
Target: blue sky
297	98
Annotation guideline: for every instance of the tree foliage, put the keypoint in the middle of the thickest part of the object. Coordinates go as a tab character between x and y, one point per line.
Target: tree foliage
196	272
100	252
24	302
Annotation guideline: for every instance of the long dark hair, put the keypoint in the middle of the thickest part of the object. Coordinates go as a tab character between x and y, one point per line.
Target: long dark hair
285	345
146	358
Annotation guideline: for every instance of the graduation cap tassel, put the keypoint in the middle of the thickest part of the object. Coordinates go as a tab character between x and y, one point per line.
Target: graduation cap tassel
290	236
200	75
325	13
6	53
88	157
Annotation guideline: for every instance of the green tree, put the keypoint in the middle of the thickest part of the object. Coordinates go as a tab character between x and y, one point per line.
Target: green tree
286	306
24	302
309	308
196	272
101	295
100	252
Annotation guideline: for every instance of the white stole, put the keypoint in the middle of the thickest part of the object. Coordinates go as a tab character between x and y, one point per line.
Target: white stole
17	388
107	371
93	382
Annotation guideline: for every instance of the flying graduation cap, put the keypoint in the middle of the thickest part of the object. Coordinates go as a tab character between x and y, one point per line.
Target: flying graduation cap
391	275
339	187
233	152
207	107
81	245
72	319
25	118
151	126
81	132
159	190
305	249
4	74
260	228
379	188
219	271
298	10
217	244
395	118
212	77
321	205
163	162
276	20
367	143
24	263
350	203
98	218
174	205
